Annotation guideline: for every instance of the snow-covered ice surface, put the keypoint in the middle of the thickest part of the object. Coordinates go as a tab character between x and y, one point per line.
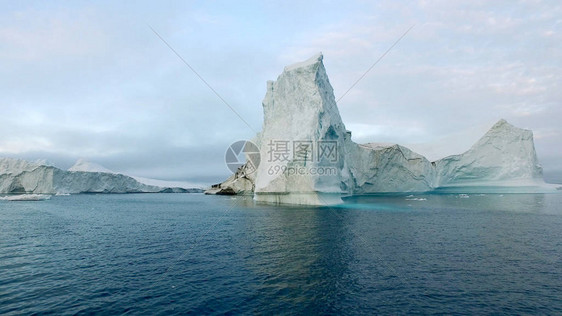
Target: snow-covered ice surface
300	106
87	166
169	184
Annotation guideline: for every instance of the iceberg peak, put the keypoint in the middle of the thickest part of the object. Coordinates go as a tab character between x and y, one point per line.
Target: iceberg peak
316	59
86	166
501	123
505	126
504	132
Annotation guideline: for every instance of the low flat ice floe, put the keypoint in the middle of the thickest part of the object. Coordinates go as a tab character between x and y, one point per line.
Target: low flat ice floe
26	197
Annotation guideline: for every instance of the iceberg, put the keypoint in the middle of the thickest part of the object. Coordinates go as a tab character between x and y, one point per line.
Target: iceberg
301	118
505	155
504	160
22	177
308	157
170	186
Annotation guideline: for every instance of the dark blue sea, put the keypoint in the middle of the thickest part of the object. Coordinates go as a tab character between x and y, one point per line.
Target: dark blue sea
166	254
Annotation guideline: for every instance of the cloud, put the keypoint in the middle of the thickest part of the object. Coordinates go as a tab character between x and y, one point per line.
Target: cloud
85	82
465	63
90	80
35	35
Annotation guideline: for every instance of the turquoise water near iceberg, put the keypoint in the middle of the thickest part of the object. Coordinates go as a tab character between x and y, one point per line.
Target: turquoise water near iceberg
162	254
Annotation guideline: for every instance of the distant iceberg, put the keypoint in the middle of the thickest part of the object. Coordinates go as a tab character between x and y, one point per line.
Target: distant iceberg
301	116
87	166
22	177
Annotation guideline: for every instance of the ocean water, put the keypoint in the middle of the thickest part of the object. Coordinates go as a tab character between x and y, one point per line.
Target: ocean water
165	254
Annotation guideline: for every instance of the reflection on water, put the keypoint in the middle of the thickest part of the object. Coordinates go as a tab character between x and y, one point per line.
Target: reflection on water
526	203
398	253
299	256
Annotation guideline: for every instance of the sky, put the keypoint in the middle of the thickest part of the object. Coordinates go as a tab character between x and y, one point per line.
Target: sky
91	80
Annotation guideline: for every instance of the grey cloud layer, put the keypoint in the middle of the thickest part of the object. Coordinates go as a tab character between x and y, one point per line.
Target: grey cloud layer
91	80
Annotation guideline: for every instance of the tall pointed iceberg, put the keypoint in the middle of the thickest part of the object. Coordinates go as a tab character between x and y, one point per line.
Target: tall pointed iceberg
302	142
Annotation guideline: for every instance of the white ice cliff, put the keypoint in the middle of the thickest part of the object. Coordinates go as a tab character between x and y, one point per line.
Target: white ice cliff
19	176
388	168
308	158
300	117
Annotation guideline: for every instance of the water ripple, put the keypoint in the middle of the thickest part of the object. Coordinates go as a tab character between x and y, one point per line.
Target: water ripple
157	254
